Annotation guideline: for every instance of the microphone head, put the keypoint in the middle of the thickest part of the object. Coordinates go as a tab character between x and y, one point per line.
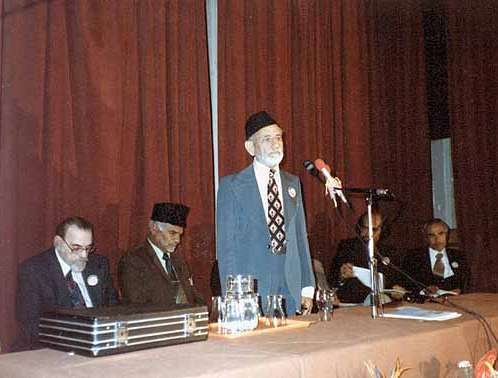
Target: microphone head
384	194
320	164
310	167
386	260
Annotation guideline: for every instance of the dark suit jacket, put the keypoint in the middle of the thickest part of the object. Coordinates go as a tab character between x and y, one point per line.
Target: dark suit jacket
42	287
242	236
417	264
143	280
355	251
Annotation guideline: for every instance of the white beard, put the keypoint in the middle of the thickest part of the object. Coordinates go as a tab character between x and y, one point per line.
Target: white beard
270	161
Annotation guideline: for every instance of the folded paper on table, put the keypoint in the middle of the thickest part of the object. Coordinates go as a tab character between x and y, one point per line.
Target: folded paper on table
410	312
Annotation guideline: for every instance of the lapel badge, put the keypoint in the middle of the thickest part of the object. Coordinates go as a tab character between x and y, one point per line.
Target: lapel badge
92	280
454	264
292	192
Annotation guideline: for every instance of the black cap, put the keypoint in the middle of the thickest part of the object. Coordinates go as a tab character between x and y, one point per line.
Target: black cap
172	213
257	121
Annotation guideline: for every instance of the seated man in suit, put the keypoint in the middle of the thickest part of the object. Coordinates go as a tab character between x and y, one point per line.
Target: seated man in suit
153	272
66	275
354	252
436	266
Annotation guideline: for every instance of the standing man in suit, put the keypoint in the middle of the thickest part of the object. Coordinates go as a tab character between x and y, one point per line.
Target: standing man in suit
67	275
261	228
153	272
437	266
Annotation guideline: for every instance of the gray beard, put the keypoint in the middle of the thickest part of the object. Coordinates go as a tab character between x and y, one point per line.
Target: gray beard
78	267
270	162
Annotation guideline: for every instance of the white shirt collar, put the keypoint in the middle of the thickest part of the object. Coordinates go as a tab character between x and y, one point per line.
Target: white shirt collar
434	252
159	253
263	169
64	266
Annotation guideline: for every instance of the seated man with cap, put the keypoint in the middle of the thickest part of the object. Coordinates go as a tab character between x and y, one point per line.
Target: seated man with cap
67	275
153	273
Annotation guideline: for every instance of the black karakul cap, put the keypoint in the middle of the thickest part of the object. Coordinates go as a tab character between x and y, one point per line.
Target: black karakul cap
172	213
257	121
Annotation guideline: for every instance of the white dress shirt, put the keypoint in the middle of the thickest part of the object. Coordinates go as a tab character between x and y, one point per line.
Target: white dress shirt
159	254
448	272
77	277
262	173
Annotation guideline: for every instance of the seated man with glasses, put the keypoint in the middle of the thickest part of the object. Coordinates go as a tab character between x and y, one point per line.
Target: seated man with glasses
67	275
354	253
155	272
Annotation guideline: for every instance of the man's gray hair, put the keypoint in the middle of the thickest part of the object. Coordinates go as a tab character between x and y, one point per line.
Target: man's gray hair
160	225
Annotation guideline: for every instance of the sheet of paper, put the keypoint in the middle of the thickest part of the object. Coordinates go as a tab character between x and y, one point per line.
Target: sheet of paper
410	312
438	293
364	276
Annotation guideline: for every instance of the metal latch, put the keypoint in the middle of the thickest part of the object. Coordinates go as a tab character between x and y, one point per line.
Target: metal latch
121	333
191	324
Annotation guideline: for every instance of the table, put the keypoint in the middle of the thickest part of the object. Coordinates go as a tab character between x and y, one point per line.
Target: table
326	349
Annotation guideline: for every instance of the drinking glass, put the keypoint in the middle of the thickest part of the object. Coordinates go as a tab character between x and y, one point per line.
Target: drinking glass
250	311
325	300
216	315
232	320
275	314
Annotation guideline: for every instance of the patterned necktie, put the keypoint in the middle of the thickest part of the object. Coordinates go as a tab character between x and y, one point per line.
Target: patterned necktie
438	269
275	217
169	267
77	300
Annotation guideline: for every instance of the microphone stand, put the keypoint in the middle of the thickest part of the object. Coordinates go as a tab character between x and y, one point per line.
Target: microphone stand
375	299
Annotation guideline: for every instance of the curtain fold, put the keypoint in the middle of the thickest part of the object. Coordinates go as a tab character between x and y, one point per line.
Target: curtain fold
105	110
399	134
473	103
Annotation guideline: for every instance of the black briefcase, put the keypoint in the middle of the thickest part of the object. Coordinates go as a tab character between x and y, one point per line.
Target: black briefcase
117	329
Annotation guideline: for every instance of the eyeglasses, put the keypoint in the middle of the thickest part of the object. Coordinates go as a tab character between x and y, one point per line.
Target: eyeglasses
271	139
78	248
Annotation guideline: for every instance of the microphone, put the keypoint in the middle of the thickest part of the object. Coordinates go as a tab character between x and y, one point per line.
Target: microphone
409	296
385	260
382	193
325	169
310	167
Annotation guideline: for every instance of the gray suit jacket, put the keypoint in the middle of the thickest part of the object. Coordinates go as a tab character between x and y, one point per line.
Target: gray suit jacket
243	236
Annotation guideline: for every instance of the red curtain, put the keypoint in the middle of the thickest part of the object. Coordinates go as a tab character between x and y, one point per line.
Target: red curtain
345	80
104	111
473	104
399	134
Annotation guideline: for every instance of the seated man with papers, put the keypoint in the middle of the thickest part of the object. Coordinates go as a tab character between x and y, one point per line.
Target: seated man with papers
437	267
350	266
